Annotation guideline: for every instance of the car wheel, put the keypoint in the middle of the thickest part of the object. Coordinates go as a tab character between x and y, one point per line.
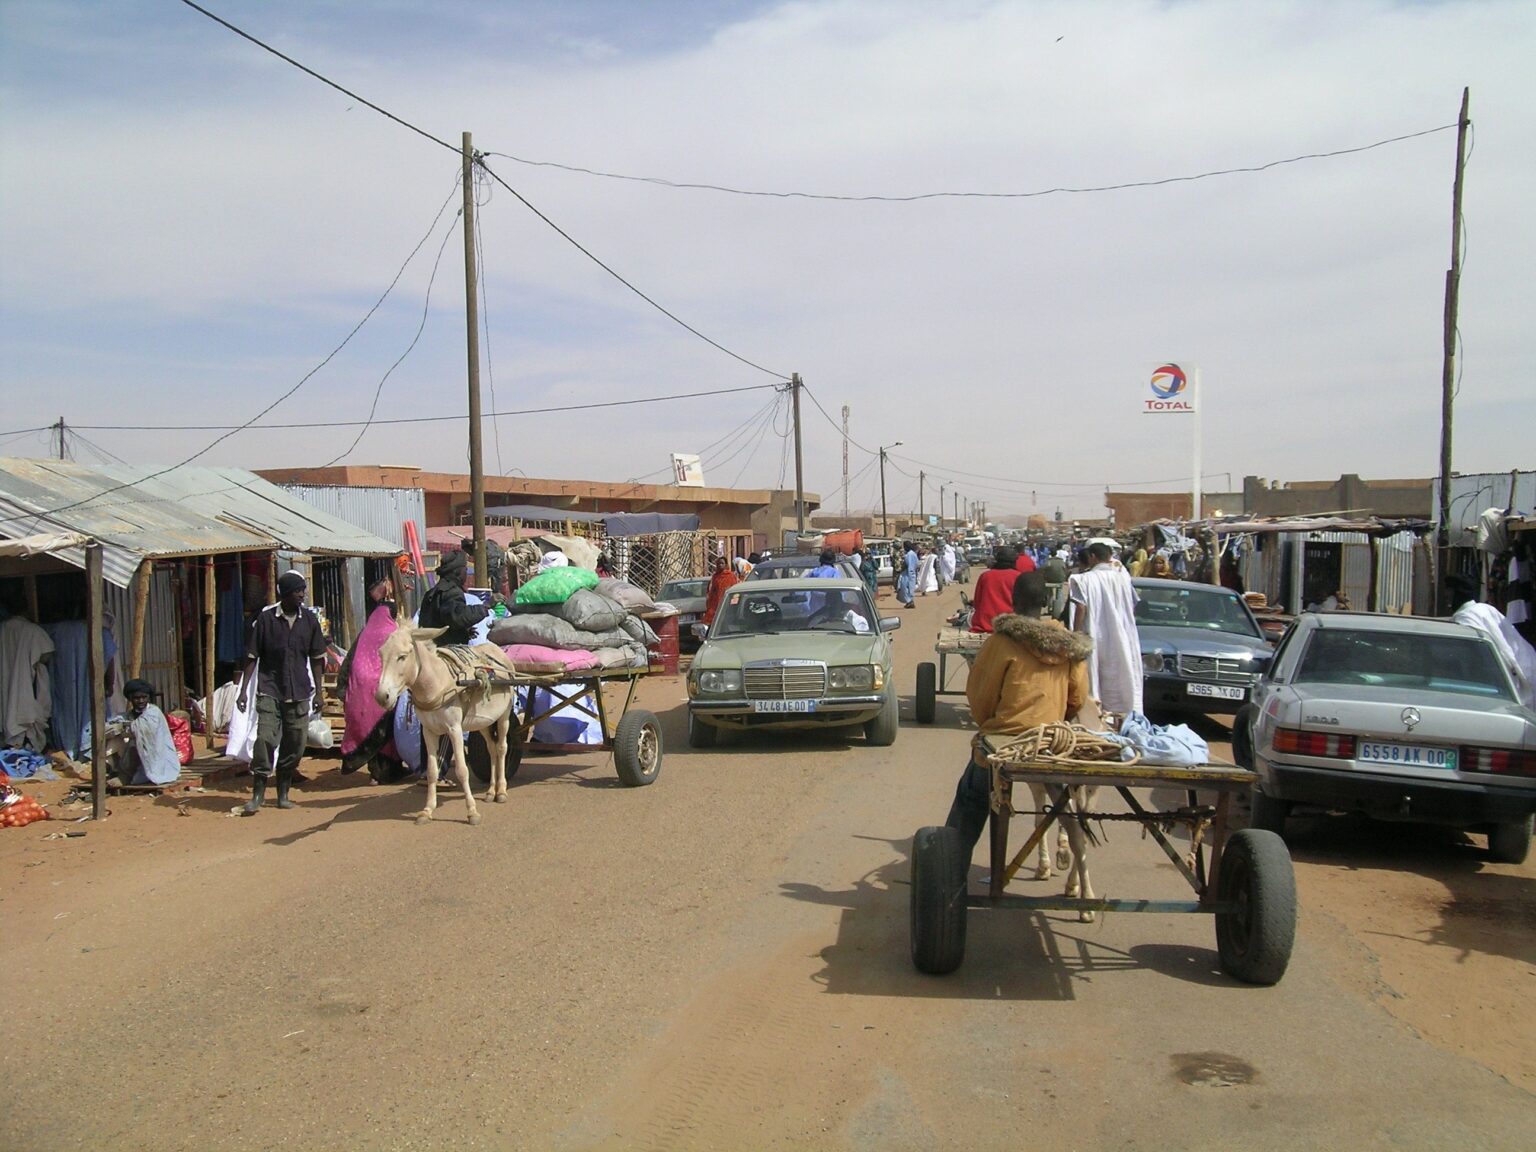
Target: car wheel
881	731
1510	843
1254	940
927	698
938	907
700	734
637	748
1242	737
1268	813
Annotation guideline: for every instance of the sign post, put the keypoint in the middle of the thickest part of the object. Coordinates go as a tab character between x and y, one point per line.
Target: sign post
1176	392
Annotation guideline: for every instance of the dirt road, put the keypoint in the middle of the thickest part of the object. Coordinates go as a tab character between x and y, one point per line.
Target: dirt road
720	961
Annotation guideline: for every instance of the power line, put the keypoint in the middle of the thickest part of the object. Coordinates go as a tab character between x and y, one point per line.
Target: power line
1063	190
1040	485
838	428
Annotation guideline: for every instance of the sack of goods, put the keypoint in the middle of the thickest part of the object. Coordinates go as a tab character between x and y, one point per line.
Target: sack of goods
555	585
583	620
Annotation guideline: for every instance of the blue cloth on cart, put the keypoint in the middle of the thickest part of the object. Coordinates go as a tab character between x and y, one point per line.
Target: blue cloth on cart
1168	746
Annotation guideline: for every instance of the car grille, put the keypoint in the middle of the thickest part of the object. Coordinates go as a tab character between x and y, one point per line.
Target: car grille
1218	668
781	682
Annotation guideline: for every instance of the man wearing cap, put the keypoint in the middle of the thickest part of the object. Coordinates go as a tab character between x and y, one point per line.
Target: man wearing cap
149	754
444	605
284	654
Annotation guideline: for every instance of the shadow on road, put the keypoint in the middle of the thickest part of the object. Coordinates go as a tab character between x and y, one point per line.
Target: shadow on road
1486	909
1009	954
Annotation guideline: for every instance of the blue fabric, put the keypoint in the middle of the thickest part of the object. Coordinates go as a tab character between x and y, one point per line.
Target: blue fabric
824	572
229	639
70	683
905	586
408	733
20	764
1171	746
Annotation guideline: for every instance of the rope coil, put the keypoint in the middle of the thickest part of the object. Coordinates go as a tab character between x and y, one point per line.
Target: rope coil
1060	743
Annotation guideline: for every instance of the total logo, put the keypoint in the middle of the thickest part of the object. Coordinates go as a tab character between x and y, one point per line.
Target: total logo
1169	387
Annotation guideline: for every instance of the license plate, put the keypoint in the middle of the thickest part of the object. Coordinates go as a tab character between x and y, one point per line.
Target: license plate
687	617
783	705
1219	691
1408	755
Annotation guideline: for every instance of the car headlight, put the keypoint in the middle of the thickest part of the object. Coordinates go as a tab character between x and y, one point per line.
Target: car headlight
1152	662
718	681
852	678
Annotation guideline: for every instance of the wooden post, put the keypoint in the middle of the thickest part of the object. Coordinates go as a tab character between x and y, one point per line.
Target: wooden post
195	595
96	668
210	648
141	579
1448	359
795	385
472	334
271	579
29	582
180	648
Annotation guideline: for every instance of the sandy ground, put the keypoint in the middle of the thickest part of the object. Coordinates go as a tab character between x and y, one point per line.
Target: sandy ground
719	960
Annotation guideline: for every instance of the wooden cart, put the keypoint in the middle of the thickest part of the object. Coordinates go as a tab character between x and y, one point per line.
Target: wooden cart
1244	879
633	735
954	646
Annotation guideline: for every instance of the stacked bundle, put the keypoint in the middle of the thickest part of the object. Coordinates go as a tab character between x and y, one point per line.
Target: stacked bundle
561	617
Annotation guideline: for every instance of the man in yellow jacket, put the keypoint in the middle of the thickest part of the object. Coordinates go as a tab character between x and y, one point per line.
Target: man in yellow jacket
1031	671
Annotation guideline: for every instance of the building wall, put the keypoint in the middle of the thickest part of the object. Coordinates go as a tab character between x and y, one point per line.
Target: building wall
1133	508
1349	493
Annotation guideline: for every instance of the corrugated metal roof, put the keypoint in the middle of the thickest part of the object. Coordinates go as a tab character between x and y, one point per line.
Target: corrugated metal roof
187	512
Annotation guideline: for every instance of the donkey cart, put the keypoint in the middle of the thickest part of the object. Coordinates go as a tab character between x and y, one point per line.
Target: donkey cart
1244	878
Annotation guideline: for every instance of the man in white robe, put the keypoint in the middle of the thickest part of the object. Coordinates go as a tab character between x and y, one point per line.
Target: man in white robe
927	578
947	563
1514	652
1104	606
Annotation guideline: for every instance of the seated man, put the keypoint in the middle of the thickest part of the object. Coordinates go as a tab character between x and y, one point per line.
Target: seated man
842	608
148	754
994	589
1030	671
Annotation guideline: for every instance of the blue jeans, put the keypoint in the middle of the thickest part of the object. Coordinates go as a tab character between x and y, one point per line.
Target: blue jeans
972	805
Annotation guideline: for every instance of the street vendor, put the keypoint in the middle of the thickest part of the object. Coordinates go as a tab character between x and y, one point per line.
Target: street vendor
444	605
1030	671
148	754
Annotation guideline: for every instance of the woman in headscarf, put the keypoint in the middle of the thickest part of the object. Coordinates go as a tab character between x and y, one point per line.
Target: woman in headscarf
722	579
370	732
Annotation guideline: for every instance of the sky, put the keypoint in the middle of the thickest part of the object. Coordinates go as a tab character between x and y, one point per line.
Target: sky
190	227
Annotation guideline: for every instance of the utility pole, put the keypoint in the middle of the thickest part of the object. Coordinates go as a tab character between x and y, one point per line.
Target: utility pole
885	522
795	386
59	428
845	461
941	507
922	514
1448	364
472	332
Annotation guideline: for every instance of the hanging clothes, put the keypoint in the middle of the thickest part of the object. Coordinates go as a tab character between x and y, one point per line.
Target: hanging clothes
229	633
26	702
70	681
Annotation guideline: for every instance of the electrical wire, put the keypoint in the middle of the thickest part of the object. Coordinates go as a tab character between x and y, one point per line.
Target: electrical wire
426	307
838	428
888	199
761	436
230	430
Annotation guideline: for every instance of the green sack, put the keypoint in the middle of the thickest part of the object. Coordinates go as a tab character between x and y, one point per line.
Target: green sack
555	585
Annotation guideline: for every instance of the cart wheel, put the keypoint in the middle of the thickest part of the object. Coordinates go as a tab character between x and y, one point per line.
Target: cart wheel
1267	813
881	731
1254	941
700	734
938	900
477	754
637	748
1510	843
927	699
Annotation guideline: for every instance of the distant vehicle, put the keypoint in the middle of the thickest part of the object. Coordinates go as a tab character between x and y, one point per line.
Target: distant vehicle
688	597
794	567
1201	648
808	653
1395	717
881	551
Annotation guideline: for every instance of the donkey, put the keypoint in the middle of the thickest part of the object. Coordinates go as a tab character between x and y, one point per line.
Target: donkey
1071	842
409	659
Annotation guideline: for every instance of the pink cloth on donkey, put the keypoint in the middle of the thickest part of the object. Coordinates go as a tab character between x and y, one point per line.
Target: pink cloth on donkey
363	712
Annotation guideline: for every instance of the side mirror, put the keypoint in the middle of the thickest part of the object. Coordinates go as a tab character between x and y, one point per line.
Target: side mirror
890	623
701	631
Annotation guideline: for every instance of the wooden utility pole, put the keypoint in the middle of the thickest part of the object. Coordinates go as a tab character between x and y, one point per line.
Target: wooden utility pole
941	507
59	428
472	333
885	521
845	461
96	670
922	513
1448	363
794	387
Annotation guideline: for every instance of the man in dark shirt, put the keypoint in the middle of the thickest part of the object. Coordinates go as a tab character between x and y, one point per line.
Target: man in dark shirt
444	605
282	639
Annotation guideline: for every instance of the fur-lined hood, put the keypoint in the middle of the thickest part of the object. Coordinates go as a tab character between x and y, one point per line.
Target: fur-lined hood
1047	639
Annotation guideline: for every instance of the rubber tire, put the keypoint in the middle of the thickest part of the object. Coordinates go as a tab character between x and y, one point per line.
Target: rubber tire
477	754
1510	843
926	702
637	748
1255	942
938	907
1267	813
701	735
881	731
1242	737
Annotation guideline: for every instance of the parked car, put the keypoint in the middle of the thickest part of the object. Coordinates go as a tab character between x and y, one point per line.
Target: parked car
881	551
1396	717
1201	648
807	653
688	597
794	567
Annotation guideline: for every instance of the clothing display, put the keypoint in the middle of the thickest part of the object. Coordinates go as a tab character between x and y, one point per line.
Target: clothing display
26	699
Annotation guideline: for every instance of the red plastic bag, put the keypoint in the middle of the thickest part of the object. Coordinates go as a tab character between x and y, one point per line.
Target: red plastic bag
181	736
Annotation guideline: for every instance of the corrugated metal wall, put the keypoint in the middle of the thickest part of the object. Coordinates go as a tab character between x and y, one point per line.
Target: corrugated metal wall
1274	565
1472	494
160	665
1394	572
379	510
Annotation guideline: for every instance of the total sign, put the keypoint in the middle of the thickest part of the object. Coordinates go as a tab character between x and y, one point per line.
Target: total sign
1172	390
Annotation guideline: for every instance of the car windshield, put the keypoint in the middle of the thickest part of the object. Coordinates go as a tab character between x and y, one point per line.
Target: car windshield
1402	660
765	611
683	589
1207	609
